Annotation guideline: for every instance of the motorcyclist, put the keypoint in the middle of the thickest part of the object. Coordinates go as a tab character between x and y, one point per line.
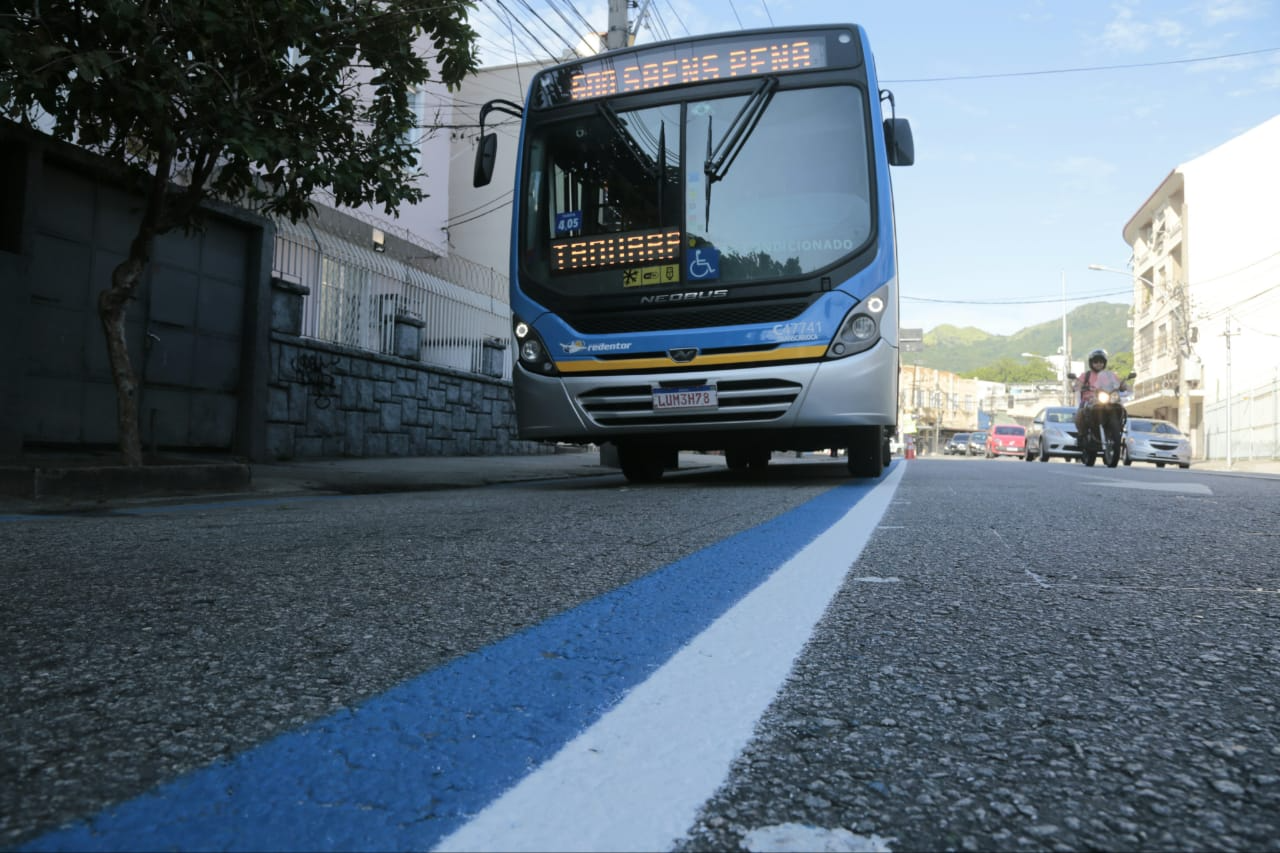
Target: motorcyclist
1097	378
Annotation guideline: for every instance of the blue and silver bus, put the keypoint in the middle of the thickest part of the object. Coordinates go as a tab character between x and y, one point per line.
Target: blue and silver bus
703	252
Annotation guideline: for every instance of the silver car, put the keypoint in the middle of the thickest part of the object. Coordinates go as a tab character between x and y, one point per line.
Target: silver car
1052	433
1148	440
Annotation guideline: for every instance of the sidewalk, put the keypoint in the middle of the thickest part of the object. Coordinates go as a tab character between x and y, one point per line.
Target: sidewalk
420	473
42	482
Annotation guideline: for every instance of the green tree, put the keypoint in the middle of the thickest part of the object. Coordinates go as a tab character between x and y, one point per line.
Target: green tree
1121	363
244	100
1015	372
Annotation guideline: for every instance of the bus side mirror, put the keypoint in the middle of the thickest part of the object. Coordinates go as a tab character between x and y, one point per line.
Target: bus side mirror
899	142
486	155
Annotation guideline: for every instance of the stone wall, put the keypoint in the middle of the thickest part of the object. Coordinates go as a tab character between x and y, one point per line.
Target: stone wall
326	400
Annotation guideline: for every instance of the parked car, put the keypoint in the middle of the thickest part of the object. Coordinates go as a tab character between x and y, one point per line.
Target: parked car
1052	433
977	444
957	445
1006	440
1148	440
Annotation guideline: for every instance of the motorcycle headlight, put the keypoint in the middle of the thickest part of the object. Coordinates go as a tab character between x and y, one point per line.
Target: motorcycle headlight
1104	396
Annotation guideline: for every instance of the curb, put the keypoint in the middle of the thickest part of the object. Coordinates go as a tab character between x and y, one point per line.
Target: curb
117	481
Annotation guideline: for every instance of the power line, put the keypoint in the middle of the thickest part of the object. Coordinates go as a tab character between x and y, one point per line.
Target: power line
679	20
572	48
573	8
1040	301
1083	69
735	14
513	19
503	205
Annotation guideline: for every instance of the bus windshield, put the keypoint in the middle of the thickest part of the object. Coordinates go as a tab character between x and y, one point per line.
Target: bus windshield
628	198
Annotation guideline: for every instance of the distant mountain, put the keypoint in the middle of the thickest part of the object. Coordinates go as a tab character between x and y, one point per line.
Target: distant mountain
964	350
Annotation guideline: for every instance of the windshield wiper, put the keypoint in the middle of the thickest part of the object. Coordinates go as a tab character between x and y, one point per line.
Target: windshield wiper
735	138
620	130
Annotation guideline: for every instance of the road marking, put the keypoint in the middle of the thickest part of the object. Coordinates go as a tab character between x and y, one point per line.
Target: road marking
407	767
1039	580
1182	488
636	779
801	838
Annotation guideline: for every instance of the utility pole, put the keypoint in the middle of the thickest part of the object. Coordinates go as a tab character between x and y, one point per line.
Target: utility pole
1183	318
1066	355
616	37
1227	335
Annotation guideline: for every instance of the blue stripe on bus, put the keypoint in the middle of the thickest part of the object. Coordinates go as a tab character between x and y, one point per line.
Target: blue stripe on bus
409	766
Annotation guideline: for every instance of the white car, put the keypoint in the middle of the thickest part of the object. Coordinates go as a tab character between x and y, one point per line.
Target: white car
1160	442
1052	433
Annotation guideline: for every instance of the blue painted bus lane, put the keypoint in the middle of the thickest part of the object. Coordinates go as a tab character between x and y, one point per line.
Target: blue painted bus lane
408	767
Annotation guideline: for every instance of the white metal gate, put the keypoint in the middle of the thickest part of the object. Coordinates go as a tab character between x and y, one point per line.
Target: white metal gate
356	294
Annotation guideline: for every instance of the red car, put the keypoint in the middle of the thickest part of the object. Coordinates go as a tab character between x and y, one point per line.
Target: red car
1006	440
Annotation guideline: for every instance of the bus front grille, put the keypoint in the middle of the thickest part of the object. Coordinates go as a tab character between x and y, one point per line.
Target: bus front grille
744	400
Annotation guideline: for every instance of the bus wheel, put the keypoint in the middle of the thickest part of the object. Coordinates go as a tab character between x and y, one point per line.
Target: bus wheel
737	460
640	464
759	459
866	457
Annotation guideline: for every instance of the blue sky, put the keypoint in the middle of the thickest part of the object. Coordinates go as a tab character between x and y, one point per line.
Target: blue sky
1026	175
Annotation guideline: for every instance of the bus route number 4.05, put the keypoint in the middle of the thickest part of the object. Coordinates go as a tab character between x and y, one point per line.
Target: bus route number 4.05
697	397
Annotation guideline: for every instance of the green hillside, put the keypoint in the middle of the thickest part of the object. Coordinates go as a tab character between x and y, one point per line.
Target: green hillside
965	350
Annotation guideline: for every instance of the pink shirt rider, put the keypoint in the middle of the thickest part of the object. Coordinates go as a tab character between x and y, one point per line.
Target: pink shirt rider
1088	385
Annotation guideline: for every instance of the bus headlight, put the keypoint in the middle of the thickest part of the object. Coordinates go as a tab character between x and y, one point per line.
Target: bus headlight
860	329
533	352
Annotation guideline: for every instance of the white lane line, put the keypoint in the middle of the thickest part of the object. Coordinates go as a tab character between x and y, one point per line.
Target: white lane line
636	779
1183	488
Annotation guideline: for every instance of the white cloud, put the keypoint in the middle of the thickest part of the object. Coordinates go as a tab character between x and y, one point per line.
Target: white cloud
1133	31
1216	11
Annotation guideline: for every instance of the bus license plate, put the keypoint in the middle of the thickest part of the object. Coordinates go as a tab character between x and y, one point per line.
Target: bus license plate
675	399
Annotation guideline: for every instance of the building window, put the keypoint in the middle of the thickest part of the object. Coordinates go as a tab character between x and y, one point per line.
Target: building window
417	135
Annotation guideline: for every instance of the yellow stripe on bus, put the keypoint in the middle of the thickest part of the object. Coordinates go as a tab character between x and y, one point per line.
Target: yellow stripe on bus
718	359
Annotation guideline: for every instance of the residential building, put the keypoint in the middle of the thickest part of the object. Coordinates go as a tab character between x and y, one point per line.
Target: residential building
1206	267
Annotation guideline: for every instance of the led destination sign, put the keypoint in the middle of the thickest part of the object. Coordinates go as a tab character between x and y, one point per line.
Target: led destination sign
695	61
643	71
635	249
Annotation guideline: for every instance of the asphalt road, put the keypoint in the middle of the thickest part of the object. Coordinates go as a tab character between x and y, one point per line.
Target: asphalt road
1023	657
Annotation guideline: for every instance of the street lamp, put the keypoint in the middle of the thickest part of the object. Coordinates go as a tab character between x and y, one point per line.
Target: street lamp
1181	315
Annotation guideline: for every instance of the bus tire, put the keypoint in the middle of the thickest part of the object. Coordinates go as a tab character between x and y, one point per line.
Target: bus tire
866	457
640	464
737	459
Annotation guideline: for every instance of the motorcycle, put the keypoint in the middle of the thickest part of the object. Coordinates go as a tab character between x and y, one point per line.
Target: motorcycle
1101	426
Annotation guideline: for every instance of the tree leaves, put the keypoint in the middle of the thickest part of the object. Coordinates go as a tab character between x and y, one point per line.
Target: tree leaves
128	79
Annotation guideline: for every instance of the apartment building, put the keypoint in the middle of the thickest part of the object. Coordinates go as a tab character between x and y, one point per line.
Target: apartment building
1206	268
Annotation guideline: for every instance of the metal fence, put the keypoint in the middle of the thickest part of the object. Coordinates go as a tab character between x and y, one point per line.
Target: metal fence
1254	418
356	295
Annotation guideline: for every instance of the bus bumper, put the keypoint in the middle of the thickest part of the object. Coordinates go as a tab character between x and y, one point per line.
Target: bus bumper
854	391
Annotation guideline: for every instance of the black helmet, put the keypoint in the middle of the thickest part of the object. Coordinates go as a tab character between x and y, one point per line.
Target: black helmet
1098	354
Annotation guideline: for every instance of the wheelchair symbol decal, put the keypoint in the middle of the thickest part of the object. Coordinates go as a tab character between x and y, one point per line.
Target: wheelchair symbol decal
704	265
